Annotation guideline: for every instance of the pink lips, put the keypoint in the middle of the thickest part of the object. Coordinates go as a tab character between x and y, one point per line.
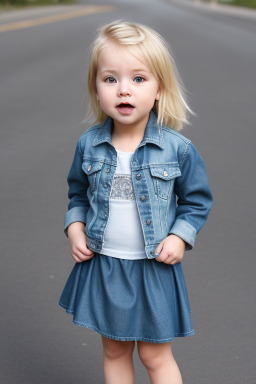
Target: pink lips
125	108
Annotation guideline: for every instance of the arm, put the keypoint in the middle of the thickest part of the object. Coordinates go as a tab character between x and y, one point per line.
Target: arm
194	197
78	184
193	207
75	218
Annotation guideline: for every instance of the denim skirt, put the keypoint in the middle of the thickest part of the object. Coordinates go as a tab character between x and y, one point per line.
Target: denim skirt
122	299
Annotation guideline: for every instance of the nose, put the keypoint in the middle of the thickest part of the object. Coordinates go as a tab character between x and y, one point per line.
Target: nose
124	89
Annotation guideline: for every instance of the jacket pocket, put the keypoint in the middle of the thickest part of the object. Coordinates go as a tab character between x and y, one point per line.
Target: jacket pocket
92	169
163	176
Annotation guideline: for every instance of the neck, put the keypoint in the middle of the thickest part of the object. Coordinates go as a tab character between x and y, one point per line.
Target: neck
129	132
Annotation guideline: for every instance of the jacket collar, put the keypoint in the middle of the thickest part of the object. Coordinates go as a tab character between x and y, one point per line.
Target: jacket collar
151	135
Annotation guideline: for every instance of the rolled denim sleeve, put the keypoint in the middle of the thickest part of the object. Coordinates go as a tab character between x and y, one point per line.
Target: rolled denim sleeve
194	197
78	184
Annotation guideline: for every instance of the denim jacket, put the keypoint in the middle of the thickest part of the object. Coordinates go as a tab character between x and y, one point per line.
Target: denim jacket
169	178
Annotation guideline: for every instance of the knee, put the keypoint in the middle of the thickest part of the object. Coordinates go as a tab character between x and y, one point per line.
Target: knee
153	356
114	349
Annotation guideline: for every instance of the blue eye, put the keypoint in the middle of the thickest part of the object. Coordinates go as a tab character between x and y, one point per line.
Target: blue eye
139	79
110	80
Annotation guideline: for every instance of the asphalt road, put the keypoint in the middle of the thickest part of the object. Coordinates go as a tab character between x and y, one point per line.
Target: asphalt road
43	101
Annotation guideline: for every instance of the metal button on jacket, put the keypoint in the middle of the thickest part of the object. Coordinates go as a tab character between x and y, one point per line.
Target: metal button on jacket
155	170
148	222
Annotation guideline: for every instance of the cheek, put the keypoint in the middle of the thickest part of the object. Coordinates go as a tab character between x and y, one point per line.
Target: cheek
98	91
105	98
149	98
100	94
150	94
103	93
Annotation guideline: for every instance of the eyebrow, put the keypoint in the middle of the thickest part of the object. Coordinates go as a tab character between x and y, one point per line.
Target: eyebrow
136	70
140	70
107	70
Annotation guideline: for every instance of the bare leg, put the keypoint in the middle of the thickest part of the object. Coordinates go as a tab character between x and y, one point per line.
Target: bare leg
159	362
118	365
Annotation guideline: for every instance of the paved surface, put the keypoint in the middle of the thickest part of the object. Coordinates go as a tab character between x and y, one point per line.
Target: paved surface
215	7
43	101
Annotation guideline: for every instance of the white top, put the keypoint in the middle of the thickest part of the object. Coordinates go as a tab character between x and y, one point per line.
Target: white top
123	237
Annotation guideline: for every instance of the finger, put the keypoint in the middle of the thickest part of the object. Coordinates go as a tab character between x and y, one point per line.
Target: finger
159	248
80	259
162	257
169	260
174	261
177	260
77	260
91	252
88	251
81	256
84	251
90	256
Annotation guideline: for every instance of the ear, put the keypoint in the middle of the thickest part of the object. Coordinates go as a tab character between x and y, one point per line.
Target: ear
158	94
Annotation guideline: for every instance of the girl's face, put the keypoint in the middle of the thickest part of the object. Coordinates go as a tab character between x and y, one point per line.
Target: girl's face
126	88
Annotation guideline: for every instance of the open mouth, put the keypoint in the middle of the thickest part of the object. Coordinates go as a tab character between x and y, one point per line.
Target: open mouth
125	105
125	108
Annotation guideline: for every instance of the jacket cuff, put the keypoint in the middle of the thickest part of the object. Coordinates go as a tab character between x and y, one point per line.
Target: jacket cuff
73	215
185	231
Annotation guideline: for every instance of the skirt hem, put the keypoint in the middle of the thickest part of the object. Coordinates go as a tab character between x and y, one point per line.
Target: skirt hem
120	338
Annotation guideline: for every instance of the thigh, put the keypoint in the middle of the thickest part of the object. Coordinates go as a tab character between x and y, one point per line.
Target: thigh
115	347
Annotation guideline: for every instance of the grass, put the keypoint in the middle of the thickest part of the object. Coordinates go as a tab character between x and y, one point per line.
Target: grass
238	3
8	5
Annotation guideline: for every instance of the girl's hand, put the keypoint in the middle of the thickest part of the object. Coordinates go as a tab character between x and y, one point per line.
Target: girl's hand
171	250
78	246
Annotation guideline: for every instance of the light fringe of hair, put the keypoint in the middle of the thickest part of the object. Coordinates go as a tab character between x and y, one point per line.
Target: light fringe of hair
146	44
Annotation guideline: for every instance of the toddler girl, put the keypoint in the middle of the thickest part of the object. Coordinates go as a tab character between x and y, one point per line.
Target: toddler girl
139	195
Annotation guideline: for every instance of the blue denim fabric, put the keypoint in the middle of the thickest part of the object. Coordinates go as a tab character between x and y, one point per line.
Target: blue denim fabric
153	305
164	166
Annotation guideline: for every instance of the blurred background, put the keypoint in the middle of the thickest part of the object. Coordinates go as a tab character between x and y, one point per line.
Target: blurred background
43	98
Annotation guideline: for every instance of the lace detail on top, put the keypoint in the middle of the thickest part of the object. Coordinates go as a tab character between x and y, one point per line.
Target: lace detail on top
122	188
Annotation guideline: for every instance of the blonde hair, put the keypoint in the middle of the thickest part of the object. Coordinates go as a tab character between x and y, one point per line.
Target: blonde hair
143	42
